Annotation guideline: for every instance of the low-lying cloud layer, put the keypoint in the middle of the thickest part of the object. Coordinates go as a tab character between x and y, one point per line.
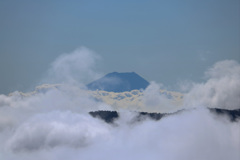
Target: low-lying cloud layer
54	123
195	134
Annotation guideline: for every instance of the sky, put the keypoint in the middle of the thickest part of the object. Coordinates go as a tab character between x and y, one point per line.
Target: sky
161	40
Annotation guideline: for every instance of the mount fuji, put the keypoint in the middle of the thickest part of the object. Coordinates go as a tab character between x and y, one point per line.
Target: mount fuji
119	82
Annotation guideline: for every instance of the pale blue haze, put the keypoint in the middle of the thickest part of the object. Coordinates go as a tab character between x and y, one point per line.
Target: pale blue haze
163	40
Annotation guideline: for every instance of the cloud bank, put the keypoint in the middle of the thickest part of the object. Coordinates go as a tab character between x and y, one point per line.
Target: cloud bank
54	124
196	134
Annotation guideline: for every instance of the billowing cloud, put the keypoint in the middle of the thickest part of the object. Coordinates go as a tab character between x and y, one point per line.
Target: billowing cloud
54	129
155	101
76	67
195	134
53	122
221	90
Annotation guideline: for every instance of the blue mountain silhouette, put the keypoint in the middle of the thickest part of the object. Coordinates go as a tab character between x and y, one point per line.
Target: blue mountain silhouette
119	82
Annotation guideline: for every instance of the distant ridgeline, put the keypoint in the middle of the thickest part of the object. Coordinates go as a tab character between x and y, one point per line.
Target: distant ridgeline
110	116
119	82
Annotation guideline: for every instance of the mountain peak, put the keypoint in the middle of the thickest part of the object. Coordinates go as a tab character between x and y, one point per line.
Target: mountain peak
121	73
119	82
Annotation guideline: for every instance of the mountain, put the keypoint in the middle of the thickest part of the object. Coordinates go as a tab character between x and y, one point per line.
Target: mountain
119	82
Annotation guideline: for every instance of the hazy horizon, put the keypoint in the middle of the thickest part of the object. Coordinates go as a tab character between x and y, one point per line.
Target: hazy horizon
163	41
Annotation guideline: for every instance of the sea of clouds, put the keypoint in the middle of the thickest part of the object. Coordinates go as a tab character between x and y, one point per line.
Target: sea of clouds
54	124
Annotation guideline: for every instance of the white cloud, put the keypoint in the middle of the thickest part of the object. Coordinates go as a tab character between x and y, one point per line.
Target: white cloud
54	129
155	101
194	134
53	124
221	90
76	67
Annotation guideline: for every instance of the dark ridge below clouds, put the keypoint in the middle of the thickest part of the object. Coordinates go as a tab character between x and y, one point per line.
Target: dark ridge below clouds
111	116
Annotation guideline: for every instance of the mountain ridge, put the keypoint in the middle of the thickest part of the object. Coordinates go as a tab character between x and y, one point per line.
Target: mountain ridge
119	82
110	116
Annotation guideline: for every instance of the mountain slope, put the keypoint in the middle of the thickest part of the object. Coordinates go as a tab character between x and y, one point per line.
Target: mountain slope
119	82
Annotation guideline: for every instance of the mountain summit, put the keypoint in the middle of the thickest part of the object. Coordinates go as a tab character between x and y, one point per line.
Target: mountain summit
119	82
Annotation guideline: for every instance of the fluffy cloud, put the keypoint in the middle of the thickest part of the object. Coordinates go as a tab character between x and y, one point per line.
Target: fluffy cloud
221	90
195	134
53	122
155	101
54	129
76	67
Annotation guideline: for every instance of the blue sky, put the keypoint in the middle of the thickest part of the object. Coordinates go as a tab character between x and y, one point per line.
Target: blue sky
162	40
